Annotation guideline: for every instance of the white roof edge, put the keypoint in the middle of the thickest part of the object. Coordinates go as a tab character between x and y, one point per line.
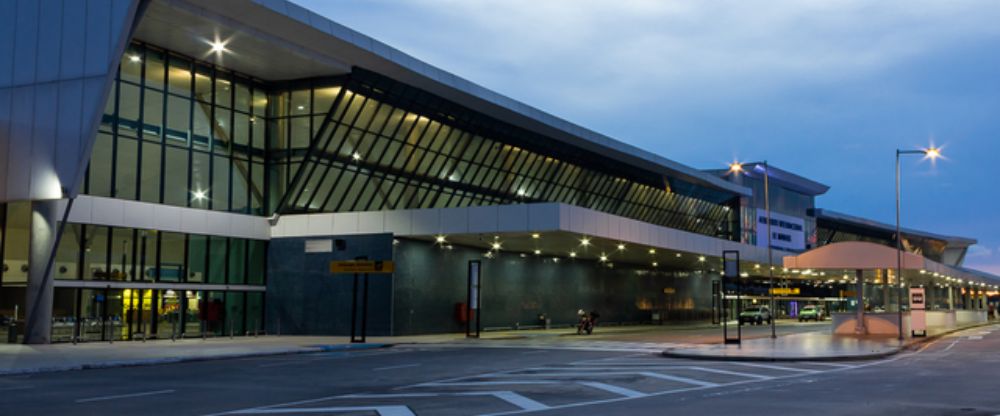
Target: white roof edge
461	85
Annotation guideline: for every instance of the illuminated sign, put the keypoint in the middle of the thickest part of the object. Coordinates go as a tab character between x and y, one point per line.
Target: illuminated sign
785	291
361	266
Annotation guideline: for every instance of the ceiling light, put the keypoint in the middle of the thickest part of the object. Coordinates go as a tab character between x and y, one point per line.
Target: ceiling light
655	264
496	246
536	236
652	251
199	195
572	254
134	58
701	258
585	241
356	156
218	46
604	257
621	246
440	239
537	252
678	255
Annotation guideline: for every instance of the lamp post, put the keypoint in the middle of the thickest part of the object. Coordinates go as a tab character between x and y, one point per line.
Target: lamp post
931	153
736	168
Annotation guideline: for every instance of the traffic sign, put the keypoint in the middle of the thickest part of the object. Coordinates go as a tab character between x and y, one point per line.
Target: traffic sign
362	266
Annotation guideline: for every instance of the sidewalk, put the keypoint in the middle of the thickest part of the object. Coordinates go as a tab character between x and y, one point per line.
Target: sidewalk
22	359
809	346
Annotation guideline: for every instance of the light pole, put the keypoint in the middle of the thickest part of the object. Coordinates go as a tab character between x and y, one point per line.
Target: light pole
736	168
931	153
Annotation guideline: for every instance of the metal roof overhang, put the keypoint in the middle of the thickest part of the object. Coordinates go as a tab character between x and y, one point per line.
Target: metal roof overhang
862	255
277	40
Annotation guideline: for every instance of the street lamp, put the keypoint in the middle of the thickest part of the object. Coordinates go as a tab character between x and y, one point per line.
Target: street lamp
929	153
737	168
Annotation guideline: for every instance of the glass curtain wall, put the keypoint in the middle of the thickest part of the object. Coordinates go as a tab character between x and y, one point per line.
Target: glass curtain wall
124	255
179	132
368	143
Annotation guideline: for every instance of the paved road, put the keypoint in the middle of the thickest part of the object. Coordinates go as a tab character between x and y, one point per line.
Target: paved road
956	375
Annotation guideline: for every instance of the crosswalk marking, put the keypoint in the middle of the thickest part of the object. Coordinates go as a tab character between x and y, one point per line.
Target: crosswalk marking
613	389
679	379
731	373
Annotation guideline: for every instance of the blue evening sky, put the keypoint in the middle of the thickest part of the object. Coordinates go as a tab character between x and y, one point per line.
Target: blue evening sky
826	89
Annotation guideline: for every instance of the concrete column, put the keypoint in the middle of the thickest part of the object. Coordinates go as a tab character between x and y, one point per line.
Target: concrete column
885	290
38	317
951	298
859	328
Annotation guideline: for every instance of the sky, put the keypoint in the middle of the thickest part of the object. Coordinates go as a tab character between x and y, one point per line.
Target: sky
826	89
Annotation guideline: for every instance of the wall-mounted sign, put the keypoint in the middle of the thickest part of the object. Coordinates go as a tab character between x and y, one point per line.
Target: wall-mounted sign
787	232
361	266
918	317
785	291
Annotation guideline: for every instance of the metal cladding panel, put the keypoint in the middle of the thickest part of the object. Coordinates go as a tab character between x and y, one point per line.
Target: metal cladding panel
62	55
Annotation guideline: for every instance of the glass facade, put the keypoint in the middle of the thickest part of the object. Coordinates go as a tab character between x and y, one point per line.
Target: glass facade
367	143
179	132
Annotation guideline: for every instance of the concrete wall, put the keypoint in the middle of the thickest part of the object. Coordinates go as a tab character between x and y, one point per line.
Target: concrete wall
430	280
303	297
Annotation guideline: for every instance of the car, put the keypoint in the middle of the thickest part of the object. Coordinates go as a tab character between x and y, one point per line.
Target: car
811	312
755	315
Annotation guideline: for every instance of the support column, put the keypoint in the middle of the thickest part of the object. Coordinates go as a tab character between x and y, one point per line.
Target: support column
885	290
38	310
859	328
951	298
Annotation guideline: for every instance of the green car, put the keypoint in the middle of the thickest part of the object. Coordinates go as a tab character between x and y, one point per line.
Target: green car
755	315
811	312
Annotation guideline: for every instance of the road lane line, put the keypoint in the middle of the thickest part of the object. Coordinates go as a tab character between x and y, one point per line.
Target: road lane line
518	400
678	379
613	389
976	337
776	367
396	367
388	396
731	373
381	410
485	383
950	346
124	396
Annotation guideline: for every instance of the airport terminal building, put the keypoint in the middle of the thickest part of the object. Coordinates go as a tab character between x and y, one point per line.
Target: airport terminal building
175	168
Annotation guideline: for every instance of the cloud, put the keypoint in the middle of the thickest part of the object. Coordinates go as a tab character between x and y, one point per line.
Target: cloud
600	54
979	251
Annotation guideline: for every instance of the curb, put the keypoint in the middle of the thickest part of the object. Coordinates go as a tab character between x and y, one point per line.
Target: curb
178	360
871	356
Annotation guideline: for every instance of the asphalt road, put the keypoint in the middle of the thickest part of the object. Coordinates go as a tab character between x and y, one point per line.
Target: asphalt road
956	375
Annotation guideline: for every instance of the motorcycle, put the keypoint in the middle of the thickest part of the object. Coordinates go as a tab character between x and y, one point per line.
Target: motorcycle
587	323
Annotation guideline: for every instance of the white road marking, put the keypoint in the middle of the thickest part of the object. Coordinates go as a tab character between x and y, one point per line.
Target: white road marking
838	365
388	396
381	410
396	367
976	337
732	373
776	367
515	399
632	394
953	344
678	379
124	396
484	383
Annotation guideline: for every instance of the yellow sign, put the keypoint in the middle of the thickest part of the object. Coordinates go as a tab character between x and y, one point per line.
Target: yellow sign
361	266
785	291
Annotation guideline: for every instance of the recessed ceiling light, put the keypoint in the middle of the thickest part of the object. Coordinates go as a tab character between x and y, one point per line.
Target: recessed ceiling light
134	58
537	252
218	46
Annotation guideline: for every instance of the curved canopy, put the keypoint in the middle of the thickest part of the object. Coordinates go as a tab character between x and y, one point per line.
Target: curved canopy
853	255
